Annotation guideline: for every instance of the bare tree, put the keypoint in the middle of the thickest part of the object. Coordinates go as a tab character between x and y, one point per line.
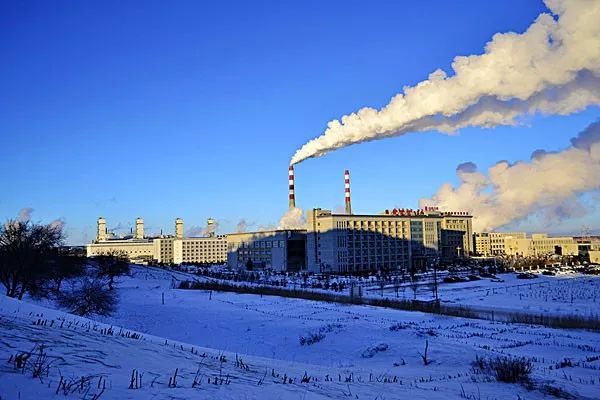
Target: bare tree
26	248
89	297
111	266
64	266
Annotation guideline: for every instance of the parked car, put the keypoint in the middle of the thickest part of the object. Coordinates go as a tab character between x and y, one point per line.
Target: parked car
455	279
526	275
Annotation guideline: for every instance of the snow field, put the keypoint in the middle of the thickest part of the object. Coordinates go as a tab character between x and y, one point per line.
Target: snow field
365	352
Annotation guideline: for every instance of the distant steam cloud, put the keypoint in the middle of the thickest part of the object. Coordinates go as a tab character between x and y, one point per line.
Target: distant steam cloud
243	225
207	230
195	231
292	219
25	214
551	68
119	226
58	223
549	183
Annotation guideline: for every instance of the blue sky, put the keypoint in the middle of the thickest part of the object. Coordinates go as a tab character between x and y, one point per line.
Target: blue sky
193	109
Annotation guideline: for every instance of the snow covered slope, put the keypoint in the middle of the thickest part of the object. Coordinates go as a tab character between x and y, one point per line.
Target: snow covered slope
362	352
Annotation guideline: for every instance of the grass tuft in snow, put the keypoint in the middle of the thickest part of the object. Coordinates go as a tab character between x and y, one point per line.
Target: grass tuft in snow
505	369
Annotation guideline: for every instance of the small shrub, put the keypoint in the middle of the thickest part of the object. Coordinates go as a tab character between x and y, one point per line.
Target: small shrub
89	299
371	351
311	338
398	327
319	334
506	369
555	391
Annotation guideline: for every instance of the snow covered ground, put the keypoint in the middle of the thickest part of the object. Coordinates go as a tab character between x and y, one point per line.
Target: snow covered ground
575	294
364	352
567	293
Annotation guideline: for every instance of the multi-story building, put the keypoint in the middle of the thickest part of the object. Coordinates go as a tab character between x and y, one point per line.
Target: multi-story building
540	244
394	240
518	244
279	250
481	244
492	243
163	249
199	250
457	231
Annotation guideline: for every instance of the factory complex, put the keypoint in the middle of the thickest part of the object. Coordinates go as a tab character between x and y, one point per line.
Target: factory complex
338	242
167	249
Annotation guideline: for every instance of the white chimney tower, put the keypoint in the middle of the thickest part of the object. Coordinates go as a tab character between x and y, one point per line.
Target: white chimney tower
101	232
139	228
179	228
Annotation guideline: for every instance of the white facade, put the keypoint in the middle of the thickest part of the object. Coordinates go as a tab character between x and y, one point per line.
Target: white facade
133	249
518	244
101	234
492	243
539	244
139	228
164	249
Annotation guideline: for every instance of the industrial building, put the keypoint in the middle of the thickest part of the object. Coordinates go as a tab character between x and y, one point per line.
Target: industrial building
395	240
398	239
518	244
167	249
279	250
136	247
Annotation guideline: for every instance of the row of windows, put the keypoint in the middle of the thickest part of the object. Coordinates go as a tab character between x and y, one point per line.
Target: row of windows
258	244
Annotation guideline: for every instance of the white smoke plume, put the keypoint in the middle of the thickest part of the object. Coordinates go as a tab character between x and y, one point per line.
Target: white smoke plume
550	183
266	227
119	227
339	209
195	231
204	231
243	225
551	68
292	219
58	224
25	214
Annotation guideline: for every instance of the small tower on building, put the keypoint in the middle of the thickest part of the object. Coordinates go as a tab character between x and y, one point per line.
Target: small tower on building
101	231
139	228
179	228
210	227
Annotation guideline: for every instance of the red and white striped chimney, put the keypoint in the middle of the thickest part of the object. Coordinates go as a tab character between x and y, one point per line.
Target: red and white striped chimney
291	182
347	191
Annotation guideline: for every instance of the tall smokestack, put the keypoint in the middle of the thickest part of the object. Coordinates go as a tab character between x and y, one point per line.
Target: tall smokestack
347	191
291	182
